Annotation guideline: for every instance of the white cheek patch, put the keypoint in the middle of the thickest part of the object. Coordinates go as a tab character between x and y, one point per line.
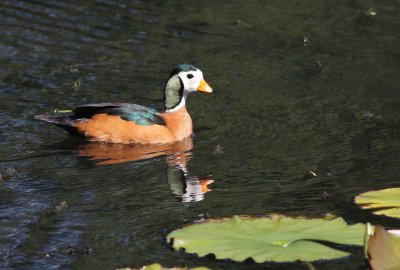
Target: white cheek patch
191	84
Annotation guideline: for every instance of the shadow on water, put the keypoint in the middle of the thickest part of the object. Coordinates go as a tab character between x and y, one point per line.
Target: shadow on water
186	187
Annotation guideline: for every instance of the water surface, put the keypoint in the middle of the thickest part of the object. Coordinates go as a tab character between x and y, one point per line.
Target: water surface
303	88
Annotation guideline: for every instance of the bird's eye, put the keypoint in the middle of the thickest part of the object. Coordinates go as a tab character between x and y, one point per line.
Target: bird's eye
189	76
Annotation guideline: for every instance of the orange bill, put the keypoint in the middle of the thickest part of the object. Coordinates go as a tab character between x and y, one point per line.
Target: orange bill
204	87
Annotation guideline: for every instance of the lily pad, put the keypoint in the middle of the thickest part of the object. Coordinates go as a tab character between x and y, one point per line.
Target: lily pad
384	250
156	266
384	202
277	238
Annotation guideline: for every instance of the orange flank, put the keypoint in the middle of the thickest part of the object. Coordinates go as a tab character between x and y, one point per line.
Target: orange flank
179	123
114	129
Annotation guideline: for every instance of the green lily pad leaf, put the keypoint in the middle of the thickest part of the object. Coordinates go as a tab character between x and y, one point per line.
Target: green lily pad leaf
384	250
277	238
384	202
156	266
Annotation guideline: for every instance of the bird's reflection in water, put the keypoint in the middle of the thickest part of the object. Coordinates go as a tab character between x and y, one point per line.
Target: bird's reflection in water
187	188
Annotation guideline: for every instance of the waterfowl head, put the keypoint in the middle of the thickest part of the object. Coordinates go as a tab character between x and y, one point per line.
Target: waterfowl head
184	79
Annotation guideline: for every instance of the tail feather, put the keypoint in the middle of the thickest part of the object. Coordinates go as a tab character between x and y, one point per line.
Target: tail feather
55	119
65	122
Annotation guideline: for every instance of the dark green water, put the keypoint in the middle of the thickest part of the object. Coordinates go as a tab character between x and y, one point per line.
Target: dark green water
301	86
